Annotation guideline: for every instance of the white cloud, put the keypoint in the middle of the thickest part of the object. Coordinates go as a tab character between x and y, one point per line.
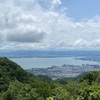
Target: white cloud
26	35
80	43
1	36
56	3
97	43
35	27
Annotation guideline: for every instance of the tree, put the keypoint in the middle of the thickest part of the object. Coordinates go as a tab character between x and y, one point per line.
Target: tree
19	91
60	93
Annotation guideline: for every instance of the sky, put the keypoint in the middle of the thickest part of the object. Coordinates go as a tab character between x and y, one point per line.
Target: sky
49	24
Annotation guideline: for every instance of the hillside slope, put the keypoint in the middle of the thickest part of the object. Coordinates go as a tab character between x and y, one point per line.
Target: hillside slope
17	84
10	71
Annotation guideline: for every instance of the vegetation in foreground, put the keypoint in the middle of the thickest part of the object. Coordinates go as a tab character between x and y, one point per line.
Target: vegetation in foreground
17	84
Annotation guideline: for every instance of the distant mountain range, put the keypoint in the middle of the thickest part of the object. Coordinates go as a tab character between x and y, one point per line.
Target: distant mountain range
40	53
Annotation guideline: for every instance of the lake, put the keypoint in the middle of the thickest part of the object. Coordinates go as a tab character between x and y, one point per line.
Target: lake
28	63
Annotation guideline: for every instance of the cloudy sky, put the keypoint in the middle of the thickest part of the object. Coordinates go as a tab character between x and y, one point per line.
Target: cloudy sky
49	24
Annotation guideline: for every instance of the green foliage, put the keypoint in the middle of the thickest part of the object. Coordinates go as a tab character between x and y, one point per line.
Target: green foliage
10	71
62	81
91	77
90	93
60	93
50	98
42	88
66	80
44	78
17	84
19	91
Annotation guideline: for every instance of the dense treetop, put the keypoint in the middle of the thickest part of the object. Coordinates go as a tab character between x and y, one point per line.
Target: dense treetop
17	84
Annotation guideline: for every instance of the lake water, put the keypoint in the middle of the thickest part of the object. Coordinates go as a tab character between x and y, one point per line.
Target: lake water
28	63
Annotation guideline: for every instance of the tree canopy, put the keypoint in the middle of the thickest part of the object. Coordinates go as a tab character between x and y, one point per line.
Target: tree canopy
17	84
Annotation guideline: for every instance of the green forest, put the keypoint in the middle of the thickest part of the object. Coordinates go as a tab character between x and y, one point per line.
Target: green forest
17	84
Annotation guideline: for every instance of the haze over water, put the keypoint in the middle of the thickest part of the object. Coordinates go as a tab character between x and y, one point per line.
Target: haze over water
28	63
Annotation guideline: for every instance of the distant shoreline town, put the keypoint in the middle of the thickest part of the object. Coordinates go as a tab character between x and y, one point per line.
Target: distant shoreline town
64	71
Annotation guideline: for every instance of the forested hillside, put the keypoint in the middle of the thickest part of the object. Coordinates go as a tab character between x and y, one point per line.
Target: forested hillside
17	84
